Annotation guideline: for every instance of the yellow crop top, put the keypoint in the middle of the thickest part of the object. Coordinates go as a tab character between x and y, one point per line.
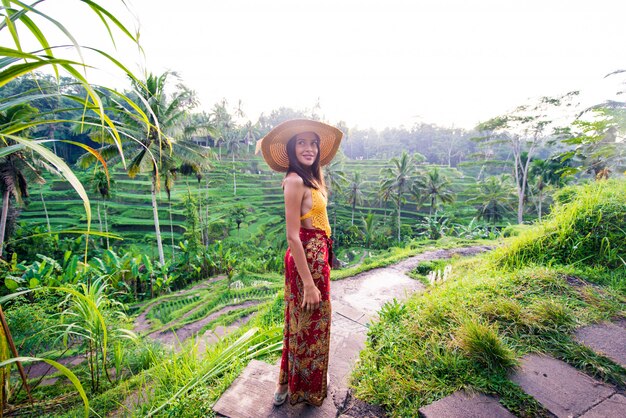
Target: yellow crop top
318	214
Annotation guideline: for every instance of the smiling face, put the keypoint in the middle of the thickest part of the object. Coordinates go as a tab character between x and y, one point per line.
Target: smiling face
307	148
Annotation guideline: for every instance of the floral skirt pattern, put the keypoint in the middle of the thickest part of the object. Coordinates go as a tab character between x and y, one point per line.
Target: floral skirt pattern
306	341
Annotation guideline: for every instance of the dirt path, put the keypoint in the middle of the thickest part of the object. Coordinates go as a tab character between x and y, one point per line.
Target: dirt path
169	337
42	368
143	324
358	263
368	291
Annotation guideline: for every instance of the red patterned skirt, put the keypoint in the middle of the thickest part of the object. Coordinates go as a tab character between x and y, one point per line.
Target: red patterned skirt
306	340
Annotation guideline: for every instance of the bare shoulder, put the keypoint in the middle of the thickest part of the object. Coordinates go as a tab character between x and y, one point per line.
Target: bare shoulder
293	181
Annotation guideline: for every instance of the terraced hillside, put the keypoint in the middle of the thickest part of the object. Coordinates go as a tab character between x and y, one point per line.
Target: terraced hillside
176	317
129	211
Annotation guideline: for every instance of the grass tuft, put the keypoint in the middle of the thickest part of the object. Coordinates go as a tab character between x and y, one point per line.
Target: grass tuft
482	343
550	315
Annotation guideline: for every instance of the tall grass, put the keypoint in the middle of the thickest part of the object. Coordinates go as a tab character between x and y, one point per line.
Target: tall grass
187	383
587	227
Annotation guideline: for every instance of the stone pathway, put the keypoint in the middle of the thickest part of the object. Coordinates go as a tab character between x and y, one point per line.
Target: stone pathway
466	405
608	339
355	301
560	388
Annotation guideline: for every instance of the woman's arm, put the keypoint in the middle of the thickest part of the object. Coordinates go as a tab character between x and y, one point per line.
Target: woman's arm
294	190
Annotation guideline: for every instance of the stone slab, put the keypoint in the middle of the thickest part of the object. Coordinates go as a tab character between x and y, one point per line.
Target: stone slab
251	395
606	339
347	311
615	406
465	405
347	339
559	387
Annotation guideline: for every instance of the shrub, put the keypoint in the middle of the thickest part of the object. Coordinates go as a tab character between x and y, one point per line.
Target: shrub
217	230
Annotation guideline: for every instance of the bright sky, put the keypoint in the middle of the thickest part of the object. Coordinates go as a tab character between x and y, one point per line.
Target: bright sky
376	63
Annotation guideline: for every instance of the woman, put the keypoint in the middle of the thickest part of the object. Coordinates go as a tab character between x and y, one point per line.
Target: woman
300	147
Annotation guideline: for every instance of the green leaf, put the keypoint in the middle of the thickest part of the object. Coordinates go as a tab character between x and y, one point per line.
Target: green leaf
10	284
34	29
55	22
95	310
99	9
17	70
11	24
65	171
4	151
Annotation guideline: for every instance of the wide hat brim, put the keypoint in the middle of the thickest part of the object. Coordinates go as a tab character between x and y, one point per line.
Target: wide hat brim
274	145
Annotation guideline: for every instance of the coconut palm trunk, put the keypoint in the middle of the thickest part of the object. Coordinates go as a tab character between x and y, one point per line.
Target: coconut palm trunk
540	201
353	207
234	177
45	211
172	226
399	212
6	196
106	223
155	212
99	222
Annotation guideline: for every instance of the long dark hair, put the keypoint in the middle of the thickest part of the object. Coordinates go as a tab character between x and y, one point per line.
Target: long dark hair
312	176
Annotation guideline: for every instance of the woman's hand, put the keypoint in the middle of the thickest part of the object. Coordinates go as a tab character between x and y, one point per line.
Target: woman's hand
312	298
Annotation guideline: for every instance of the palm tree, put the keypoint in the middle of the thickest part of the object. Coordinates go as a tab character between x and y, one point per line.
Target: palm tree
494	198
101	184
170	175
187	169
150	148
355	192
370	226
546	173
233	142
435	187
227	133
197	127
222	121
335	179
252	133
15	168
383	195
398	177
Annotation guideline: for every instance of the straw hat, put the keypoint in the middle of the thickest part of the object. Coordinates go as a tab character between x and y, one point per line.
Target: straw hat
274	144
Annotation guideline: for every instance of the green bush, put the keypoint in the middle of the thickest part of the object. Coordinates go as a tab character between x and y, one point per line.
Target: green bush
514	230
217	230
424	267
30	325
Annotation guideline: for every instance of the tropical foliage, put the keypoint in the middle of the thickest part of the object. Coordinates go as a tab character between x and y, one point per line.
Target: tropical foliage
70	291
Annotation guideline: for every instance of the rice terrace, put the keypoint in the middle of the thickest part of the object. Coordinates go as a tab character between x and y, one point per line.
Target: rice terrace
478	268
